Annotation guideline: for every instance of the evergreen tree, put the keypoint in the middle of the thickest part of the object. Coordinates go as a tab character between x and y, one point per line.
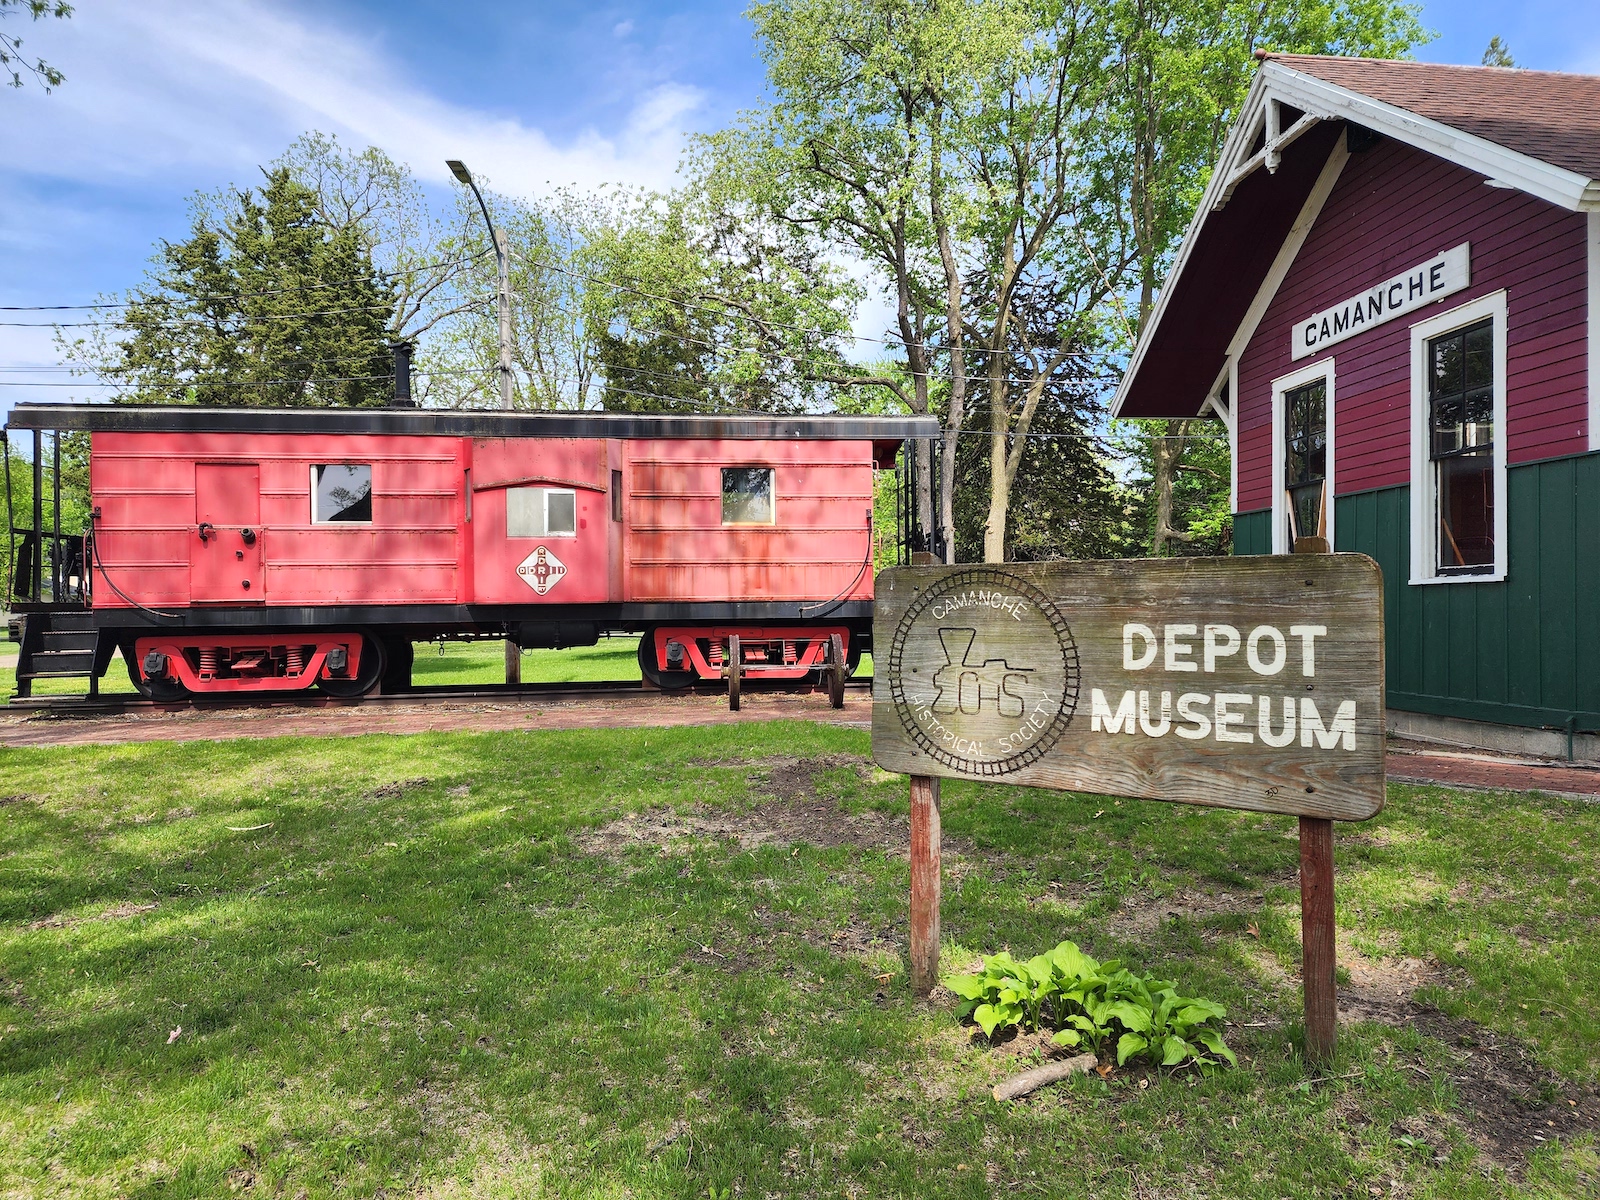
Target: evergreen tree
264	304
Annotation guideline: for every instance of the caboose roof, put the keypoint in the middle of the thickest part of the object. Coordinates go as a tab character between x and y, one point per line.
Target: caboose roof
187	418
1536	131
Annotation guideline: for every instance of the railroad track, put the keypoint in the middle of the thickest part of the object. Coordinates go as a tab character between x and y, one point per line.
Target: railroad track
500	693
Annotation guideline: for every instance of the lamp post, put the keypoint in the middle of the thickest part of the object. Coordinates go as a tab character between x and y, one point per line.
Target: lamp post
503	268
503	271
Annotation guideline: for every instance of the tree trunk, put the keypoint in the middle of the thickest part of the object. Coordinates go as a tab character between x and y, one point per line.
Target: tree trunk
958	358
1167	454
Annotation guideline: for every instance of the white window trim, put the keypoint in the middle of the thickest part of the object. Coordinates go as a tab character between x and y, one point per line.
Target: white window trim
1322	369
1592	229
1424	528
544	512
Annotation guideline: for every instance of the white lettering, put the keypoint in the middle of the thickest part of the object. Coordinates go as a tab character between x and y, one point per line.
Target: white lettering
1227	719
1145	656
1264	722
1343	727
1221	641
1121	721
1177	650
1154	730
1191	707
1308	634
1252	650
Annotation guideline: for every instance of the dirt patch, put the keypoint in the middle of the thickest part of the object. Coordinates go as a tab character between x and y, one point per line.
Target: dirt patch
19	798
1510	1105
390	791
125	909
1140	915
794	814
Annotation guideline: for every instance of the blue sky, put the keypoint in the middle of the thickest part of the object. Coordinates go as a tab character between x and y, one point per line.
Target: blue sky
166	97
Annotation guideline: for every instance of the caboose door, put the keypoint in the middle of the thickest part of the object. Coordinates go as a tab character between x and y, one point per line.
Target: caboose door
225	547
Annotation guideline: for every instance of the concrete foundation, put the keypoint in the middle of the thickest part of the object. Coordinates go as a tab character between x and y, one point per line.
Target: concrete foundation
1501	739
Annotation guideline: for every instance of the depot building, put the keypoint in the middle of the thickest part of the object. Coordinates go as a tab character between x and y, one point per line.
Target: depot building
1390	297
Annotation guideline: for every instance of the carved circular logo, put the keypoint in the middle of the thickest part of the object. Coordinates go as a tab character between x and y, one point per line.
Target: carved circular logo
984	672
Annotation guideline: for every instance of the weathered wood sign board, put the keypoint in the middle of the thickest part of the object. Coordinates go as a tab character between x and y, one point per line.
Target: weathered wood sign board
1252	682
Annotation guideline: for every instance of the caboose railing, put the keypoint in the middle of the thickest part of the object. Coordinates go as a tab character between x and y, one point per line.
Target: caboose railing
46	565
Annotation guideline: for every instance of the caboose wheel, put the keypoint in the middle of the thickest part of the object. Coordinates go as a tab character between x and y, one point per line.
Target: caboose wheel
836	670
368	672
162	691
656	676
400	655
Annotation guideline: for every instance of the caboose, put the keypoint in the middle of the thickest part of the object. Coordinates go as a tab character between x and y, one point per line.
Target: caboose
270	550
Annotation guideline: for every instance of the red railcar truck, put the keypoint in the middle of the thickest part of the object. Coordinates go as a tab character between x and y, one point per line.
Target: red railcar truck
269	550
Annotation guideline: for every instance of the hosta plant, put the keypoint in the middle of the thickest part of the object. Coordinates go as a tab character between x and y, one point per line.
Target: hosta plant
1085	1002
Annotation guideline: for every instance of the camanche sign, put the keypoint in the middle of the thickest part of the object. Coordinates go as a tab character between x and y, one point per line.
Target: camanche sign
1408	291
1251	682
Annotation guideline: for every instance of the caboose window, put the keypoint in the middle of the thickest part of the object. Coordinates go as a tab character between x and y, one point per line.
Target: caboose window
541	512
747	496
341	492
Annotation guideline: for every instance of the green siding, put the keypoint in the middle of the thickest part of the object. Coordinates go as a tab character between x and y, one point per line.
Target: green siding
1252	533
1511	652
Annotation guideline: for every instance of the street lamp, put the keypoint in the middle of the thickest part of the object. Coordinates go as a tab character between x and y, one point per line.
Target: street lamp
459	170
502	262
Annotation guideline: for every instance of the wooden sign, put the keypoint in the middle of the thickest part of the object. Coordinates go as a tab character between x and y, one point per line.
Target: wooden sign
1252	682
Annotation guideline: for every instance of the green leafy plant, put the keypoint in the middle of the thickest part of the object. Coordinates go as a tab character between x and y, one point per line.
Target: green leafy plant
1086	1002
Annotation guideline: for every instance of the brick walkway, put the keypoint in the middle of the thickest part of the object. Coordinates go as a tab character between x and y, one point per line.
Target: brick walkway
1408	765
19	729
1457	769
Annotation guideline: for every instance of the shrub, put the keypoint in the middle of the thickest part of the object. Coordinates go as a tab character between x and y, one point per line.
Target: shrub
1086	1001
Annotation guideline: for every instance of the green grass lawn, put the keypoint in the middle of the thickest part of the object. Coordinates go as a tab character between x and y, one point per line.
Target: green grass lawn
429	966
439	663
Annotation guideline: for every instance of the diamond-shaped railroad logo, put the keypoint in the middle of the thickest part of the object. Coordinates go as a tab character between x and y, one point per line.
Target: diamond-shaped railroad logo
542	570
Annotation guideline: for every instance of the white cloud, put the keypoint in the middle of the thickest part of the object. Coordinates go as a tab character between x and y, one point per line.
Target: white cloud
622	28
166	87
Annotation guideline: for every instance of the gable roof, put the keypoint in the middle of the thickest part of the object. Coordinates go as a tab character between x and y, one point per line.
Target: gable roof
1536	131
1546	115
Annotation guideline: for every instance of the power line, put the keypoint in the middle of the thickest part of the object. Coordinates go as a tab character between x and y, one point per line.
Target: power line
308	287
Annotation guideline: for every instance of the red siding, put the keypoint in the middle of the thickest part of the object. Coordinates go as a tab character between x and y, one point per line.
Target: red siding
1392	208
678	548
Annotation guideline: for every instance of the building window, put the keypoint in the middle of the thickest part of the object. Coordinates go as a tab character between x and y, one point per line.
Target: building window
1458	497
541	512
1305	459
341	492
1302	456
616	495
747	496
1461	445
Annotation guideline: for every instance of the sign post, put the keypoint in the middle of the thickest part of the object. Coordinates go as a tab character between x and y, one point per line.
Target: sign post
1252	683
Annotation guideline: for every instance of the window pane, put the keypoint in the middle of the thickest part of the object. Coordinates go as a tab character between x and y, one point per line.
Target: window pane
1480	418
1447	365
1306	434
562	512
525	512
341	493
1446	427
1306	511
1466	513
1480	357
747	496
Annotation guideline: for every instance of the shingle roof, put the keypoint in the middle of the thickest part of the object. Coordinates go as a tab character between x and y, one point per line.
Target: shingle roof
1550	116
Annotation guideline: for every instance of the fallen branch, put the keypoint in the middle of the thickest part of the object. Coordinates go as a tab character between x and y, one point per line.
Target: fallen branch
249	828
1051	1072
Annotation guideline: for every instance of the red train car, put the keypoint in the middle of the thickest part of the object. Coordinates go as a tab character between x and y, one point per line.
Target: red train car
269	550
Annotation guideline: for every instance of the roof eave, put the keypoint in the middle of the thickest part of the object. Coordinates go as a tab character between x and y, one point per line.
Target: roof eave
1214	188
1557	185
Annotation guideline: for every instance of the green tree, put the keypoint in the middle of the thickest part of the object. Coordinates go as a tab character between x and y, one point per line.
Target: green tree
11	56
1498	54
1181	70
263	304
